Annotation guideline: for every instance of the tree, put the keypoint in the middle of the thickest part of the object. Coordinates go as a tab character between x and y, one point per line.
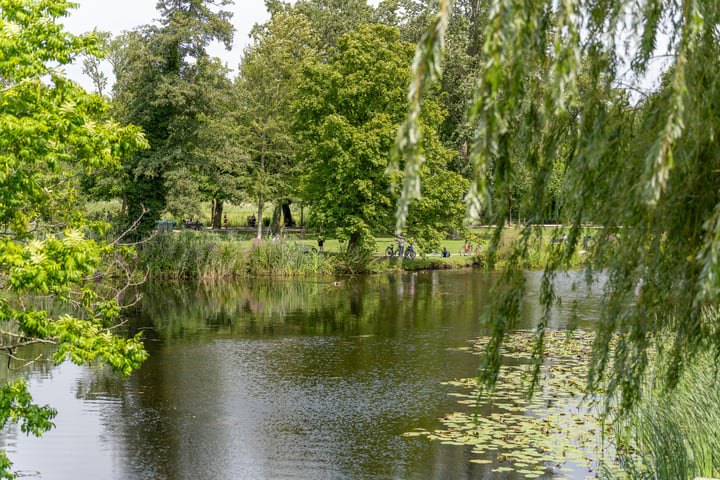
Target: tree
218	174
165	83
646	173
331	19
348	112
266	88
52	129
92	64
409	16
461	63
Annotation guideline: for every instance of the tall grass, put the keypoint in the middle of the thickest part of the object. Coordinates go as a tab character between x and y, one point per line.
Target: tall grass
286	258
201	255
676	435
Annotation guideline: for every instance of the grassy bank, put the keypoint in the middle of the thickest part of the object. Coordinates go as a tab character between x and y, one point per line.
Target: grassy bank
225	254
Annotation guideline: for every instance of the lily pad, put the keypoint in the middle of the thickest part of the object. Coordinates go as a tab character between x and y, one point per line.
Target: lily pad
554	426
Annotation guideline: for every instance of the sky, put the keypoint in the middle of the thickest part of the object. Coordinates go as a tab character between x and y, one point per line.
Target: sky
118	15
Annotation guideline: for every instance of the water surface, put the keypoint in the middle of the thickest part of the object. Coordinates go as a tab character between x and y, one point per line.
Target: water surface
277	379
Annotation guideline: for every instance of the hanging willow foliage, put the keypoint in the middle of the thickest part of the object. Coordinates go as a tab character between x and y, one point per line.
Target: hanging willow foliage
644	169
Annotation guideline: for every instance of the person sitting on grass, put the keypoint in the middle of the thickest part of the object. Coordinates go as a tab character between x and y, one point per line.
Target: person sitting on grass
445	253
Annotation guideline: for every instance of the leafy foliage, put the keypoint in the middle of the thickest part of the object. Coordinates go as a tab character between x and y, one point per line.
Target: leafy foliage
331	19
168	84
349	109
15	405
51	131
550	86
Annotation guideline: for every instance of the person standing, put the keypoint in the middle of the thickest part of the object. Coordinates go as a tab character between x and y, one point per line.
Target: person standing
401	245
321	241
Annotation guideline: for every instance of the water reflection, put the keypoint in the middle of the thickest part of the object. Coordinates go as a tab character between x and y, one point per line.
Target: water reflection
277	379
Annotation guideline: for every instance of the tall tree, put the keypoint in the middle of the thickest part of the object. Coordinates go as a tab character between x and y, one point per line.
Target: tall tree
348	112
269	74
461	65
165	84
331	19
646	173
51	131
409	16
219	173
92	66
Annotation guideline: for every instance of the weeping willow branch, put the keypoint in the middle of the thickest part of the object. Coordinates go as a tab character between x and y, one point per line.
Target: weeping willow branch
425	70
647	174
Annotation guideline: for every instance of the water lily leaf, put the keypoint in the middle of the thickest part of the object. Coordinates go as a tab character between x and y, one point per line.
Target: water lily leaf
555	426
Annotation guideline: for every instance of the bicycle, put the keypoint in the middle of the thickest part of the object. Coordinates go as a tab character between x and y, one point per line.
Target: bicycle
467	249
309	249
409	252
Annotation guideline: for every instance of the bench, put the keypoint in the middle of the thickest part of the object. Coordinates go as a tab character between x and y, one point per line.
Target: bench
192	225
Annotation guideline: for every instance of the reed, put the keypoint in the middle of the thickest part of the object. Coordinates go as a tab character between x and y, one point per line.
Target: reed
285	258
202	255
675	435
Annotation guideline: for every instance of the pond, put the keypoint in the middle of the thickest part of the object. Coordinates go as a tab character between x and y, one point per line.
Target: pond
280	379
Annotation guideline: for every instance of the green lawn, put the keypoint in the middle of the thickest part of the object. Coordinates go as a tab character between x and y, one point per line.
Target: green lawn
237	219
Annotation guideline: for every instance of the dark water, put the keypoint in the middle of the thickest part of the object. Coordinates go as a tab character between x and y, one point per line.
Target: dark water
276	379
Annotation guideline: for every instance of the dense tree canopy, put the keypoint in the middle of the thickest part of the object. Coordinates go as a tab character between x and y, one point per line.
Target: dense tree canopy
348	112
50	131
646	173
167	83
330	19
266	90
349	108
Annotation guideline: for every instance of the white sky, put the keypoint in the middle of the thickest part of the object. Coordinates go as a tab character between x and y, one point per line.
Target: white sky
118	15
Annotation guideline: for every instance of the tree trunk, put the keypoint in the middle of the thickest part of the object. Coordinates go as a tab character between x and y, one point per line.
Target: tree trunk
217	213
353	242
261	199
275	222
261	203
286	213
